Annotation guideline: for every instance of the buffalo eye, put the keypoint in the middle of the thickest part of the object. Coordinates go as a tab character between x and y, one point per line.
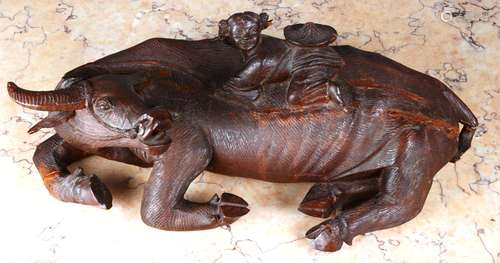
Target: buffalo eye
104	104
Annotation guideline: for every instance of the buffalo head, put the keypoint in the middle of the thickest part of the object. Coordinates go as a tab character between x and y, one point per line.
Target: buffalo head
107	110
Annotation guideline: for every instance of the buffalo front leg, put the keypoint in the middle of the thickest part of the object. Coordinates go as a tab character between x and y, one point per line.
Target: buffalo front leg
403	190
124	155
51	158
163	204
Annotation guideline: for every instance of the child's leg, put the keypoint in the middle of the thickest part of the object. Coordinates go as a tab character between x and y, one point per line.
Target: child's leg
339	91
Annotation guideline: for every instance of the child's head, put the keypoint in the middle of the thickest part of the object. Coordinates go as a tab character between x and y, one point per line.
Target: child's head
243	29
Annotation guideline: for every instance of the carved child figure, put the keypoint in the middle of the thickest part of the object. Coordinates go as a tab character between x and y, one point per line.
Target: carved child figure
304	60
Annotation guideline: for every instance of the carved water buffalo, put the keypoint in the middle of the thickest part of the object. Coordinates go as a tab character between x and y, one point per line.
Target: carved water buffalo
158	104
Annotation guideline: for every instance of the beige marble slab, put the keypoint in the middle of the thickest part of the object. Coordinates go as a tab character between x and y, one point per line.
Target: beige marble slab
455	41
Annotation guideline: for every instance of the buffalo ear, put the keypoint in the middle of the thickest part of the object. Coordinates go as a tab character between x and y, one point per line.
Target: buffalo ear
223	29
264	21
51	121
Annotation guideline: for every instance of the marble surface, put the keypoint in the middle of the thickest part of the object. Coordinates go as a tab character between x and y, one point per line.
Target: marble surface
455	41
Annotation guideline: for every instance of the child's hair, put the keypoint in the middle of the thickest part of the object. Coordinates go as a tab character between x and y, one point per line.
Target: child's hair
261	19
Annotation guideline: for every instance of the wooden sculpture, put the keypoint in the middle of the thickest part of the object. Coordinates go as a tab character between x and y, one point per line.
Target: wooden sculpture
368	131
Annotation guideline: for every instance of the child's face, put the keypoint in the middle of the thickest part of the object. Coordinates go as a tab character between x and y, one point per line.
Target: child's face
244	32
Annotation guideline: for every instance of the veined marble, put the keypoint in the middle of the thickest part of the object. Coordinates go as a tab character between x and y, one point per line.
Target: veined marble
455	41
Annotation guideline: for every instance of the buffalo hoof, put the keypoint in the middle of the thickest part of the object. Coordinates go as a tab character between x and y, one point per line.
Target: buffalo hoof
84	189
320	200
100	192
326	236
228	208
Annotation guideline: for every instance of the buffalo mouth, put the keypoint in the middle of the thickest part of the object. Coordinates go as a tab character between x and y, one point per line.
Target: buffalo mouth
152	132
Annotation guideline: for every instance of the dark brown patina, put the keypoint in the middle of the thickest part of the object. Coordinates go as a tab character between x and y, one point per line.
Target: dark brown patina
371	144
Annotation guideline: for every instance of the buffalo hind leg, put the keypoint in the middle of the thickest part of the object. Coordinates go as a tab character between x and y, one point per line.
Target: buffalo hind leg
403	190
52	157
323	198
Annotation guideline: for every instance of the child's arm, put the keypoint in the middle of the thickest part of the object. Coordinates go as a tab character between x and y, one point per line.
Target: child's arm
248	80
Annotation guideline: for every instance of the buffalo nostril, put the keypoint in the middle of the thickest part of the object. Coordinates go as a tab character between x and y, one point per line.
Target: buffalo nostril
140	129
149	130
155	125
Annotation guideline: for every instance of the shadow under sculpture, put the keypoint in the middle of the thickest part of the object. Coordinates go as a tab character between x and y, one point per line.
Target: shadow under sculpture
368	131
